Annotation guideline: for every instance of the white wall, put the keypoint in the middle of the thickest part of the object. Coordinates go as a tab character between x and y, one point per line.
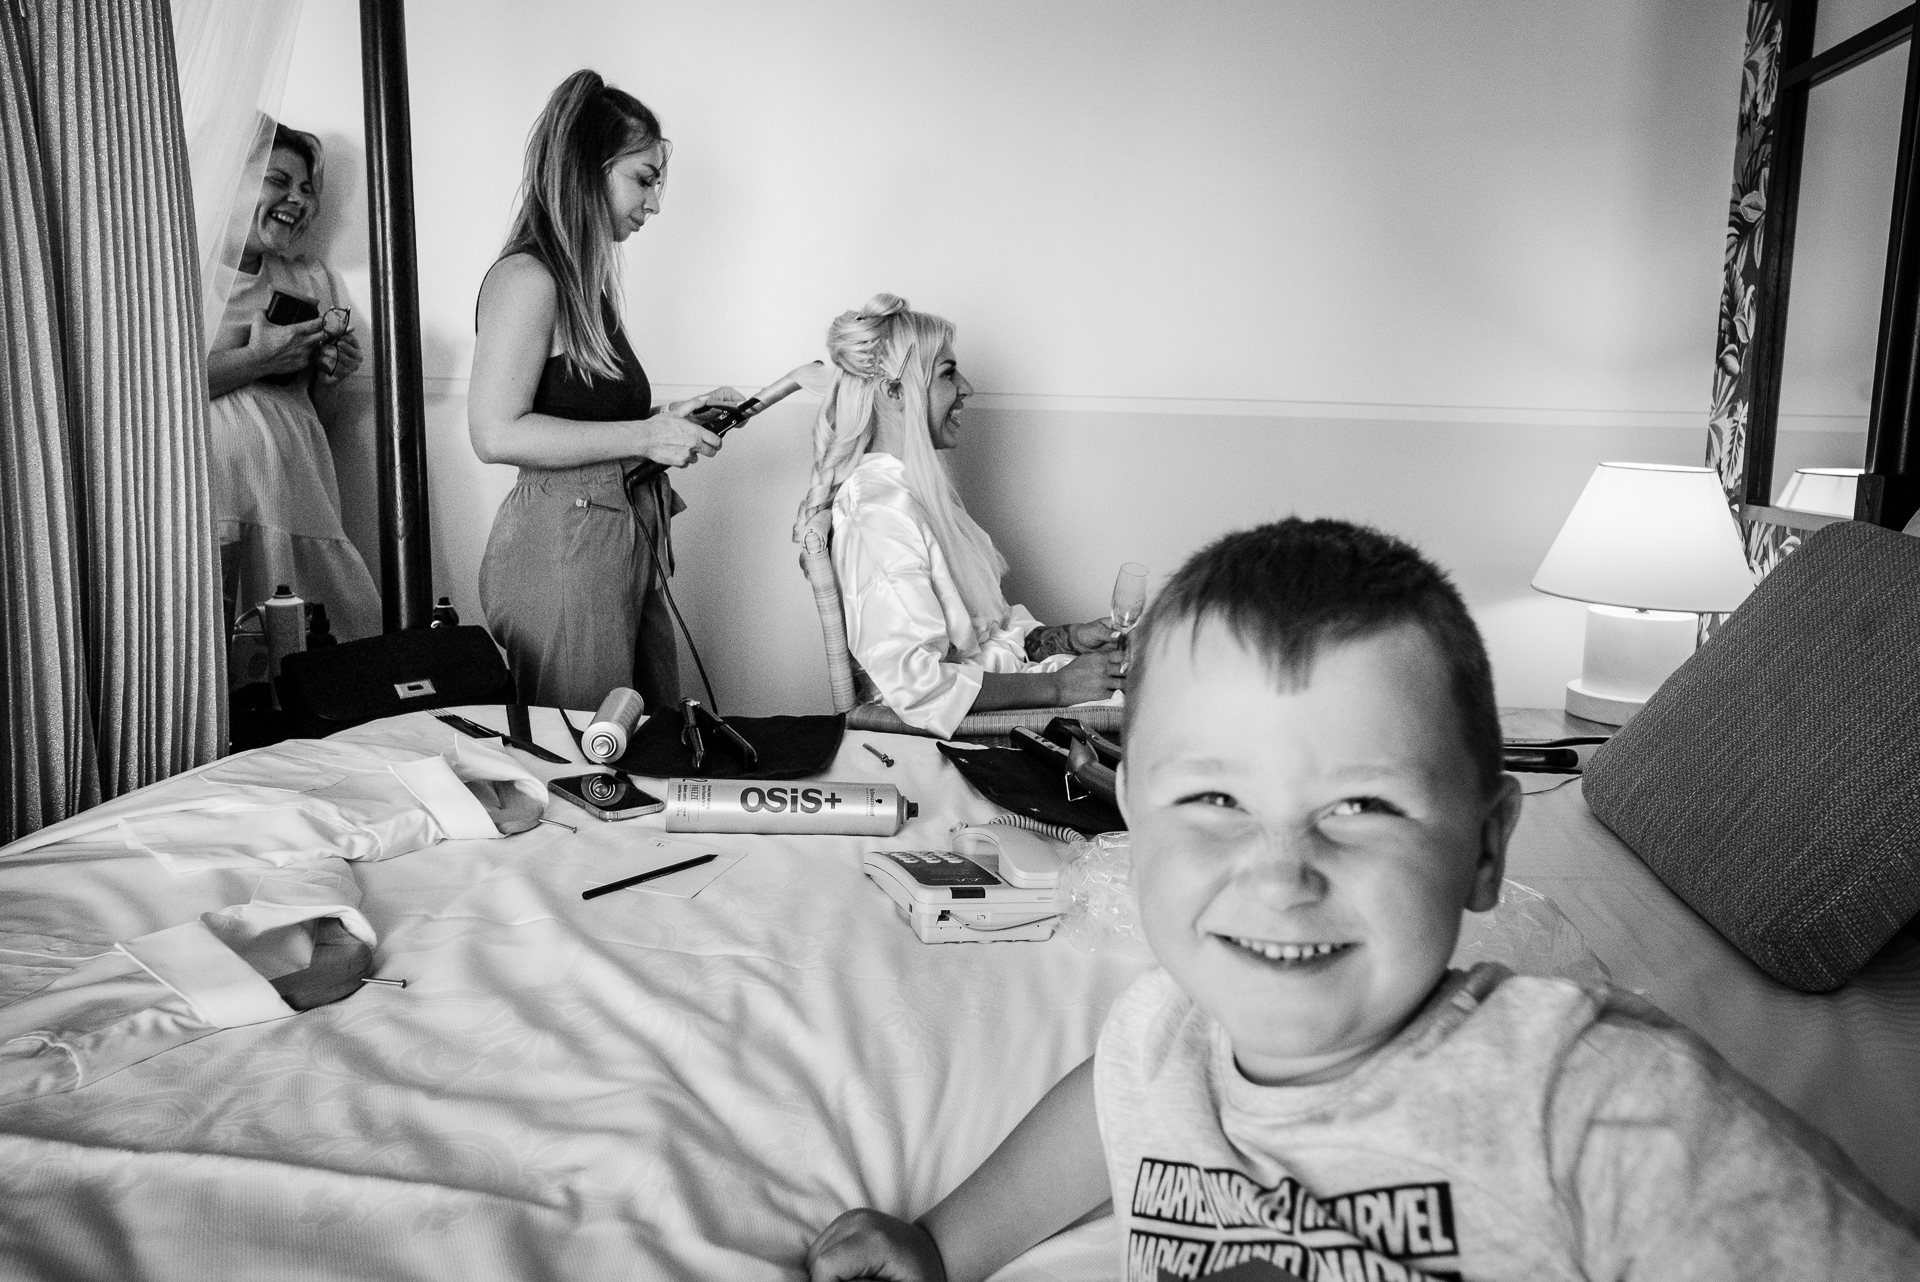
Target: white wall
1416	264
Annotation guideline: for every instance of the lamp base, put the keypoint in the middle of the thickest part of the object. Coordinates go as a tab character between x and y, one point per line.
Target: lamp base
1628	654
1610	710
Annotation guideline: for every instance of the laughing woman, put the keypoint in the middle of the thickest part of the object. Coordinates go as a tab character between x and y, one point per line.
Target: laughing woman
275	498
573	581
919	579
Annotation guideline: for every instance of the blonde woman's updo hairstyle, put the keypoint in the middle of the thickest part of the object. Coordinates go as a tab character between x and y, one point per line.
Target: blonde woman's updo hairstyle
564	219
873	348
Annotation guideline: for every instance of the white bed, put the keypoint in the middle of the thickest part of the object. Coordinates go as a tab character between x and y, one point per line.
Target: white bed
637	1086
648	1087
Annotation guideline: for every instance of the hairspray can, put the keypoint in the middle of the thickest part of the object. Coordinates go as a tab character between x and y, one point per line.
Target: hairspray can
283	617
748	805
606	739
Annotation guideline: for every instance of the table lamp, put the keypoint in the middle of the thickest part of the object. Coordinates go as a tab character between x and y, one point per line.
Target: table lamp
1826	490
1651	547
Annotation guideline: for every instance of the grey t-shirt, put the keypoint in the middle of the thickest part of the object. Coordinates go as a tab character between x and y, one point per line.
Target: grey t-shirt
1517	1128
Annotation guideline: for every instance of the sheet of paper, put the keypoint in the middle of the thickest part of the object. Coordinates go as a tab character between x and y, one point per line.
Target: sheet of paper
662	852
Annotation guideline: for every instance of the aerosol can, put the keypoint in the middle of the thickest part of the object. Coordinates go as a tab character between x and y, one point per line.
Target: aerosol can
751	805
606	739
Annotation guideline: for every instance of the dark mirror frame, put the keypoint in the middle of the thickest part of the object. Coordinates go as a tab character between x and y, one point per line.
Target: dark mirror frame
406	559
1889	493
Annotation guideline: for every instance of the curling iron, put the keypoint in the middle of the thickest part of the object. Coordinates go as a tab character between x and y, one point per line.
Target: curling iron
814	376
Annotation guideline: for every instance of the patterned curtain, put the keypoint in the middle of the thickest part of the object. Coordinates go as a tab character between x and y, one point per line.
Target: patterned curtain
110	657
1746	252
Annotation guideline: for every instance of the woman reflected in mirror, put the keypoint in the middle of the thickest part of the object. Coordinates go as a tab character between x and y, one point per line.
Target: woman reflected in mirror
919	579
573	582
286	330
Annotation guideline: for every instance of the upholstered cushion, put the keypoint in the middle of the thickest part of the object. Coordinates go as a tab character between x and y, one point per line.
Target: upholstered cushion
1774	781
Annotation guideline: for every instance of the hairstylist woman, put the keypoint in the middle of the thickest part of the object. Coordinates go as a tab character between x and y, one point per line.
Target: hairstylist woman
919	579
572	582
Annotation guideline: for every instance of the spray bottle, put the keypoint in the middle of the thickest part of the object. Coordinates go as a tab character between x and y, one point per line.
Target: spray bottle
612	729
284	619
750	805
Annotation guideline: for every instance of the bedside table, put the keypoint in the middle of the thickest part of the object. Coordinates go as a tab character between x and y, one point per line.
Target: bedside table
1550	723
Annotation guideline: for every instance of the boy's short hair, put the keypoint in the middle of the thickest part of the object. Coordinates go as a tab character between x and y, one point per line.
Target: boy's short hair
1285	589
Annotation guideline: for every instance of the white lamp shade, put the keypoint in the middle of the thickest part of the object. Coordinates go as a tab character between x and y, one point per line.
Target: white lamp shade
1649	536
1826	490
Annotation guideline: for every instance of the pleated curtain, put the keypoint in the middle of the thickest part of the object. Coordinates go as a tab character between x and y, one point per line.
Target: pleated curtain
111	661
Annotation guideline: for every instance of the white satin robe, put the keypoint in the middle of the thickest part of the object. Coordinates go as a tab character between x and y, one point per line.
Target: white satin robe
906	622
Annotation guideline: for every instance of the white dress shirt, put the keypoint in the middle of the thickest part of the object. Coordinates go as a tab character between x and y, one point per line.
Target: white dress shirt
907	624
208	881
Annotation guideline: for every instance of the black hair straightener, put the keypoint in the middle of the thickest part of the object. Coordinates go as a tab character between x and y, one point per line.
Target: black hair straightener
1082	755
1549	756
814	376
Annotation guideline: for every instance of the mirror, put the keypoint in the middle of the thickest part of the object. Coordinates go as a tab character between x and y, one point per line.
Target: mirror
1825	328
1838	19
1850	156
281	209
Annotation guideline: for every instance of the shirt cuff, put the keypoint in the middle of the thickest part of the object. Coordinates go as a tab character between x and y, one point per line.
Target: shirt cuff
943	715
434	785
220	986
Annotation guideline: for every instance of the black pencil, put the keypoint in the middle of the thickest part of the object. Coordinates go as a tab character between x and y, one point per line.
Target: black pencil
624	882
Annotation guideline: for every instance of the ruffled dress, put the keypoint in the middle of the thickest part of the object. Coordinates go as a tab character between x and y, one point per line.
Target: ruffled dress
276	501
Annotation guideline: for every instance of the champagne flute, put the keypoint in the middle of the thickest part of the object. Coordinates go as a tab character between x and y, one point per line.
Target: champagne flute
1129	597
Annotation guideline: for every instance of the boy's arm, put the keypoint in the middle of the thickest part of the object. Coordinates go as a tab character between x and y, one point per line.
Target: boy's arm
1049	1172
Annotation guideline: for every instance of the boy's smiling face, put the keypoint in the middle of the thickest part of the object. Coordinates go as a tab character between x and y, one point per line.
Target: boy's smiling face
1302	852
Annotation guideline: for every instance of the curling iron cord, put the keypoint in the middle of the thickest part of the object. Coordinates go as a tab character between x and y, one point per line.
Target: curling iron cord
673	607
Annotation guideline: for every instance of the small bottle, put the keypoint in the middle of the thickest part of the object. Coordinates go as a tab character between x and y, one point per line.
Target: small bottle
285	617
319	630
606	738
444	615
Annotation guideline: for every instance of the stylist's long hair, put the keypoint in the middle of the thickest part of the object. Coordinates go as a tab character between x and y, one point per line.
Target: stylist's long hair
563	218
873	347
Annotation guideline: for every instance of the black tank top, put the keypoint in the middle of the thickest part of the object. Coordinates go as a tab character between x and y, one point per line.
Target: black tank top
565	393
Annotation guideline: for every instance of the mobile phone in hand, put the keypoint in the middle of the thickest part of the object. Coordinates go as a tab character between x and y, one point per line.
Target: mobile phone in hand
606	796
289	309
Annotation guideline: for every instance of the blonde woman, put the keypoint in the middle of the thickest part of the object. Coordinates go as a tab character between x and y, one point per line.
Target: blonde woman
275	495
573	579
919	579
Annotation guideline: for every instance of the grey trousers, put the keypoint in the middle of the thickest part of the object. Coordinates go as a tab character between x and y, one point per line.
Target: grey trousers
572	586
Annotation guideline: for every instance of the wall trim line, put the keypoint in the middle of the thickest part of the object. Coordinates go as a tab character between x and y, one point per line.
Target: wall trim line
1224	407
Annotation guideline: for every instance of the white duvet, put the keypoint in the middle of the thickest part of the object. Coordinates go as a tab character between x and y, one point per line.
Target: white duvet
637	1086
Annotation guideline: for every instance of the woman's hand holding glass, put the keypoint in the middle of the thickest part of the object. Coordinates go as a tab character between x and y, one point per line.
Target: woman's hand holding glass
1108	635
1095	636
675	438
1129	601
1129	597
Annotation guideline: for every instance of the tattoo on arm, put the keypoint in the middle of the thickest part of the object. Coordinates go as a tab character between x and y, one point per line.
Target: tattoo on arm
1045	642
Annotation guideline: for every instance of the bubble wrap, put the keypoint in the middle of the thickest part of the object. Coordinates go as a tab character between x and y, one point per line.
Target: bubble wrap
1095	895
1527	933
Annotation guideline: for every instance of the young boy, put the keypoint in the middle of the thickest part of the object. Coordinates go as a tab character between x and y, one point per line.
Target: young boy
1303	1090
